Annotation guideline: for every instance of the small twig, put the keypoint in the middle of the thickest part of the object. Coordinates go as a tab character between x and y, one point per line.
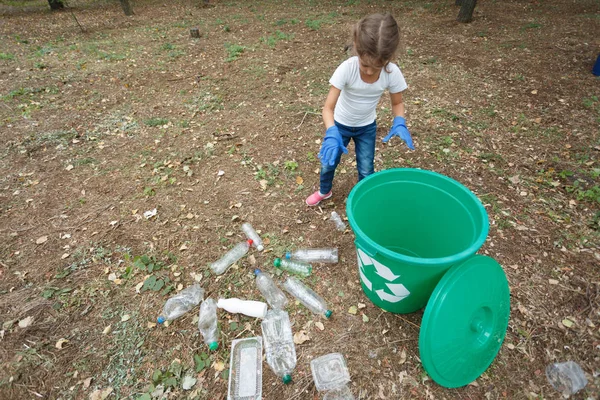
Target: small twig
74	17
407	321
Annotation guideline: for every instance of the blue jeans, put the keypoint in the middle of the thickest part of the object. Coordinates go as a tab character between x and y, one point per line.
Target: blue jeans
364	143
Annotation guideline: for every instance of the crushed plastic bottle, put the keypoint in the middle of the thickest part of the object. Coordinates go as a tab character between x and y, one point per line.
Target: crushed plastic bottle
296	267
330	372
181	303
267	286
245	369
232	256
251	308
279	344
207	323
307	296
252	235
326	255
337	220
567	377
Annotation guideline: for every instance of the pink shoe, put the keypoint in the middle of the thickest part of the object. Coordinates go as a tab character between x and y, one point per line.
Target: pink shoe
315	198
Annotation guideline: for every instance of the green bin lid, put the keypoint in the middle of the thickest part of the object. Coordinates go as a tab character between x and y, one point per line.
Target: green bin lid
465	322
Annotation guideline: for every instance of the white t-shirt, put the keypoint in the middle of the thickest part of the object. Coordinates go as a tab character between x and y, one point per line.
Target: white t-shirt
358	100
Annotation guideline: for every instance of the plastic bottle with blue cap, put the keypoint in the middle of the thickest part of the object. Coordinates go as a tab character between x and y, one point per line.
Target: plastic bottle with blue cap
181	303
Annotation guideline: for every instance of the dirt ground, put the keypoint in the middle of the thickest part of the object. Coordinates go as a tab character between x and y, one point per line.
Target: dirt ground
132	114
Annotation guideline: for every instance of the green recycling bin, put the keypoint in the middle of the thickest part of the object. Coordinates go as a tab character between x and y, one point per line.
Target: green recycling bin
417	233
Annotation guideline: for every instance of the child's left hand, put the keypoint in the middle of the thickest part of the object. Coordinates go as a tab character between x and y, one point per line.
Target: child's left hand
399	129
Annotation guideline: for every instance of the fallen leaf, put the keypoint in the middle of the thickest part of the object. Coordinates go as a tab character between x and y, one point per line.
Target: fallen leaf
107	330
299	180
221	173
252	259
60	344
112	276
151	325
64	256
69	167
402	357
87	382
41	240
150	213
138	287
320	325
263	184
183	247
125	317
553	281
188	382
352	310
515	179
534	91
301	337
365	318
568	323
101	394
361	306
510	346
219	366
25	322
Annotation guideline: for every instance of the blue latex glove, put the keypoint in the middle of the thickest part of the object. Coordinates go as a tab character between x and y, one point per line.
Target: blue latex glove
399	129
332	144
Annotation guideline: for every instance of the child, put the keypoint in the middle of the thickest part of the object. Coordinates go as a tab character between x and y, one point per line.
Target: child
356	87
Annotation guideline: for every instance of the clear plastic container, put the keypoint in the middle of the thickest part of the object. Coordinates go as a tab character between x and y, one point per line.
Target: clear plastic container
279	344
295	267
181	303
330	372
567	377
307	296
245	369
232	256
267	286
326	255
343	393
337	220
253	235
207	323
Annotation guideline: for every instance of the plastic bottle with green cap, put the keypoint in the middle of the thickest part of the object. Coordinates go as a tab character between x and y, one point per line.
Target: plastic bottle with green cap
207	323
181	303
295	267
307	296
279	344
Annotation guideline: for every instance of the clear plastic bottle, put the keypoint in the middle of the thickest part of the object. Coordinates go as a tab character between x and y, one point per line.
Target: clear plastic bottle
207	323
326	255
567	377
237	252
252	235
307	296
181	303
251	308
245	369
337	220
279	344
296	267
267	286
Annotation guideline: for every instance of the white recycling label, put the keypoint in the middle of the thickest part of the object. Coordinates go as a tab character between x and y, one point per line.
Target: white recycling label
369	266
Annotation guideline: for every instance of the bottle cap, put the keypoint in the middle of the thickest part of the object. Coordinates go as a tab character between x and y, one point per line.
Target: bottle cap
277	262
310	269
160	319
257	271
288	255
287	378
260	247
249	241
213	346
328	313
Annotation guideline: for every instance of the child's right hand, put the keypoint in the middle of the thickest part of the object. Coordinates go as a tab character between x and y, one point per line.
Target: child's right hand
332	144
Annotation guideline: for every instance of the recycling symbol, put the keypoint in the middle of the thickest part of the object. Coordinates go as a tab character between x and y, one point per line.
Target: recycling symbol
378	278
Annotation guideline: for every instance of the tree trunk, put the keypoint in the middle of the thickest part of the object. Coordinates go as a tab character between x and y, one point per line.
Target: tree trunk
126	7
56	4
465	14
458	3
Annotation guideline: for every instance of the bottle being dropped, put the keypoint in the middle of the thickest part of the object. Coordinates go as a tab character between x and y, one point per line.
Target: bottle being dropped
207	323
327	255
267	286
231	257
251	308
567	377
295	267
252	235
337	220
307	296
279	344
245	369
181	303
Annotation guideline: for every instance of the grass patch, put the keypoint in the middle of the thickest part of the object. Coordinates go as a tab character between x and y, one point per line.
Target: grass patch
156	121
6	56
234	51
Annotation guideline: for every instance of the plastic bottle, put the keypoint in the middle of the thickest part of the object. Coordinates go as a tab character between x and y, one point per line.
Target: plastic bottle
207	323
274	296
568	377
238	251
251	308
307	296
181	303
279	344
327	255
245	369
252	235
296	267
337	220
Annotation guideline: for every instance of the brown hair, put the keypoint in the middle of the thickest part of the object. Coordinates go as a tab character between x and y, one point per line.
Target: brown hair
376	38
